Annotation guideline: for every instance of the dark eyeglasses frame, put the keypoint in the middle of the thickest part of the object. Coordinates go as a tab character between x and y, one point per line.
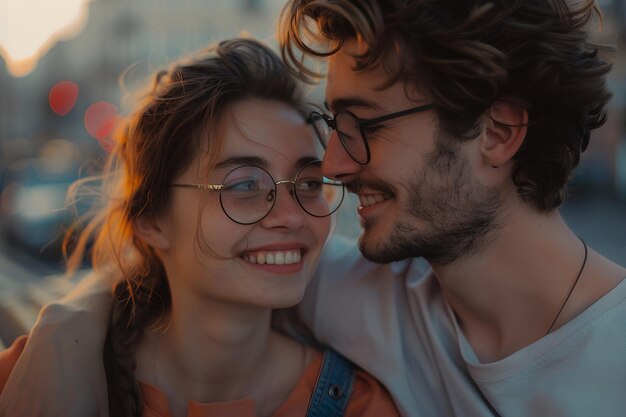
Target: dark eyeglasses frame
363	124
292	191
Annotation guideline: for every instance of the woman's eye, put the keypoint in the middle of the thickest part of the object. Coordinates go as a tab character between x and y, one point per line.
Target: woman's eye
309	186
242	185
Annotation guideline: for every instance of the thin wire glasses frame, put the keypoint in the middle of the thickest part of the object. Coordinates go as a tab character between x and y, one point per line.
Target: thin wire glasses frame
246	193
359	151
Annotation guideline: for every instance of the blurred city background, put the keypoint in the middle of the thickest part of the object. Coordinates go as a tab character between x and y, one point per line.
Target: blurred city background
60	67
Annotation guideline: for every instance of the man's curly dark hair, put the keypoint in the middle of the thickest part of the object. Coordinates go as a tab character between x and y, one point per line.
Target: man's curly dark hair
467	54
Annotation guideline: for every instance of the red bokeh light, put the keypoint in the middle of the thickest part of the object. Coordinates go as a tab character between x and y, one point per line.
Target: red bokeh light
100	120
62	97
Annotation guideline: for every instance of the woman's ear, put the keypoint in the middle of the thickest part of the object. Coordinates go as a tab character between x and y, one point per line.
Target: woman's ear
151	232
507	125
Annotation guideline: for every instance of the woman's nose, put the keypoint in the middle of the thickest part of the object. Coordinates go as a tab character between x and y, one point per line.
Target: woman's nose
286	211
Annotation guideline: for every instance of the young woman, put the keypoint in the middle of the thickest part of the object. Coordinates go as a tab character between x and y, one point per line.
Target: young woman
216	213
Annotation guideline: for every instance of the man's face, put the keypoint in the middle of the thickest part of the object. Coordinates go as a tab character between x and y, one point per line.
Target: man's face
417	194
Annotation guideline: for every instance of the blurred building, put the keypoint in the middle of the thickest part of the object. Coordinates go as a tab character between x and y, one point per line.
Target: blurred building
603	165
119	33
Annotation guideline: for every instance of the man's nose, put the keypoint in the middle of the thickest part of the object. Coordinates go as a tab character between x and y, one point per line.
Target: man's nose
337	163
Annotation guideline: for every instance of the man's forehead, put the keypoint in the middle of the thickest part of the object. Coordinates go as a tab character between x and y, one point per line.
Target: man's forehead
365	87
343	63
348	88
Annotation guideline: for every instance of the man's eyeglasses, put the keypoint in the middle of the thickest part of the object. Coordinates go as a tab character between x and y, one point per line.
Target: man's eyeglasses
353	131
248	192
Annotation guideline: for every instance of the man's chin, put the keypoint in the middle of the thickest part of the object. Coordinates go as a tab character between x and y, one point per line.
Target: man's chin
376	251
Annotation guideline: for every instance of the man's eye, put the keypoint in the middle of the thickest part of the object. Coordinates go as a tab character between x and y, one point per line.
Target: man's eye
372	130
347	136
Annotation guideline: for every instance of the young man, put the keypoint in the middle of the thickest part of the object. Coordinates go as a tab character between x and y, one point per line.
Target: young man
457	124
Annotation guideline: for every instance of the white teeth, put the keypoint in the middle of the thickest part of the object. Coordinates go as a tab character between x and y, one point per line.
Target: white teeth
275	257
279	258
371	199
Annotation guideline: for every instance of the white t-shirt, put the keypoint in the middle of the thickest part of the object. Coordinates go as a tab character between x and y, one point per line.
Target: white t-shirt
393	321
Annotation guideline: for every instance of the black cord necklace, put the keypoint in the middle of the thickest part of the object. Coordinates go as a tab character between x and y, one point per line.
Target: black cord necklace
571	289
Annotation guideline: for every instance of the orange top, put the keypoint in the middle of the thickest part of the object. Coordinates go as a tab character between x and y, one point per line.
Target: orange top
368	398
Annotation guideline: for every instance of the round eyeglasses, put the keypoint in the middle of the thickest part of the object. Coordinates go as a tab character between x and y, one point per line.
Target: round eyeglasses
248	192
353	131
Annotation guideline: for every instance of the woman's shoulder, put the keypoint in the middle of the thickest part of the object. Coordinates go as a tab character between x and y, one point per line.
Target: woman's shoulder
369	398
9	357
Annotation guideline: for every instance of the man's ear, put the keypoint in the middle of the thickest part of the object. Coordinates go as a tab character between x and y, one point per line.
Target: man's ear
151	232
506	130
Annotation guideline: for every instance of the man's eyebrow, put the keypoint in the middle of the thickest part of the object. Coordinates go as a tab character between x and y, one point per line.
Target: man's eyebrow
351	102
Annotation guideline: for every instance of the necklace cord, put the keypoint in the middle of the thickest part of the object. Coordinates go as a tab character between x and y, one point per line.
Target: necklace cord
582	267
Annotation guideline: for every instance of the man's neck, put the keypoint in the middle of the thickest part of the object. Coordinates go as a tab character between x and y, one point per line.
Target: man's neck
508	295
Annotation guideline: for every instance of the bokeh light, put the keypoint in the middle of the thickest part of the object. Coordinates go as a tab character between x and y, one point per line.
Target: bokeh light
100	120
62	97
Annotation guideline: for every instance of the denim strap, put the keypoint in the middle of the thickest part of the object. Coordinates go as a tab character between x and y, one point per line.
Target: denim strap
333	387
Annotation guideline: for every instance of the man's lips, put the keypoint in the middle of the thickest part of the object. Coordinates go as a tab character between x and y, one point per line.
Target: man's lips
370	199
370	193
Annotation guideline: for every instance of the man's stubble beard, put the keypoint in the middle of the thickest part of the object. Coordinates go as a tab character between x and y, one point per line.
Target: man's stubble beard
447	216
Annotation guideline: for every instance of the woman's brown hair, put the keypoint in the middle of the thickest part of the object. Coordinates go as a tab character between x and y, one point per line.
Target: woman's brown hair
180	112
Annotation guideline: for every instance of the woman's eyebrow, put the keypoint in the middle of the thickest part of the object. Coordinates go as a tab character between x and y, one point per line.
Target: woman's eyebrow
234	161
305	160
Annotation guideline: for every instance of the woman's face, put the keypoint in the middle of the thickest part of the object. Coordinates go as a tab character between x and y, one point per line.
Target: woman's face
245	266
